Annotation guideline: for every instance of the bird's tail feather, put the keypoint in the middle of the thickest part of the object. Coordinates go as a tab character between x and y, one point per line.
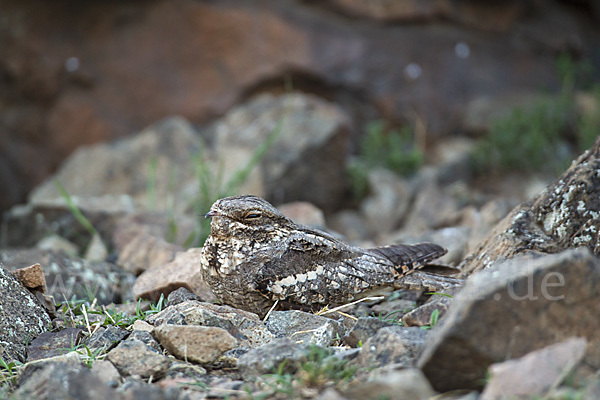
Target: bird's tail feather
409	257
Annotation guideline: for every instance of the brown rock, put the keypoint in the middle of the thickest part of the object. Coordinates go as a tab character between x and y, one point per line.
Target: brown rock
565	215
146	252
245	326
200	344
31	277
512	309
183	271
544	369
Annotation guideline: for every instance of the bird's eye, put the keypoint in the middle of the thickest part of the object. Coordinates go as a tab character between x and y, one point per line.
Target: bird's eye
253	215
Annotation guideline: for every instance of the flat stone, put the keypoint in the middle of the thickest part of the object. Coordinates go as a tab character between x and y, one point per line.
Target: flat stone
182	271
421	316
140	325
245	326
544	369
363	329
134	357
181	369
22	318
50	344
199	344
392	345
304	328
106	338
267	358
180	295
541	300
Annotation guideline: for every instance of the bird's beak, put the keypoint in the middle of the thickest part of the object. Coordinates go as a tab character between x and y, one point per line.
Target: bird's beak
212	213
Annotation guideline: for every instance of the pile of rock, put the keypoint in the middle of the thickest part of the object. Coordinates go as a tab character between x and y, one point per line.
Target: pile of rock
528	307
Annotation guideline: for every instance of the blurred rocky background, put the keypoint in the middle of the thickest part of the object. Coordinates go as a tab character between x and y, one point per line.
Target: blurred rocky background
381	121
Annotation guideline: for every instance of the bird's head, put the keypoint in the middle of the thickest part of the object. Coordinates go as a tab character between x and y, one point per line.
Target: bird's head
238	215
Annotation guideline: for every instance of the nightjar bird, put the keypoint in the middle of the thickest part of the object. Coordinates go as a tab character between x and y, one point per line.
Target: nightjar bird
256	256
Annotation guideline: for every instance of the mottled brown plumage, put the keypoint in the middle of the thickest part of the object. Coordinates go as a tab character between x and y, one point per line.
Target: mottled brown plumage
255	256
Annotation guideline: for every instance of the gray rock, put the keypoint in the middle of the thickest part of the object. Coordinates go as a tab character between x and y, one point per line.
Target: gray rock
434	206
106	372
223	387
123	167
304	328
200	344
147	338
179	369
304	213
421	316
180	295
393	310
30	224
134	357
565	215
61	382
350	224
287	170
242	325
69	360
364	328
22	318
406	384
388	201
541	300
136	389
50	344
269	357
545	369
392	345
106	338
72	276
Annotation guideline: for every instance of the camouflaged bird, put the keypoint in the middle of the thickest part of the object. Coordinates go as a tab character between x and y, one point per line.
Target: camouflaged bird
256	256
